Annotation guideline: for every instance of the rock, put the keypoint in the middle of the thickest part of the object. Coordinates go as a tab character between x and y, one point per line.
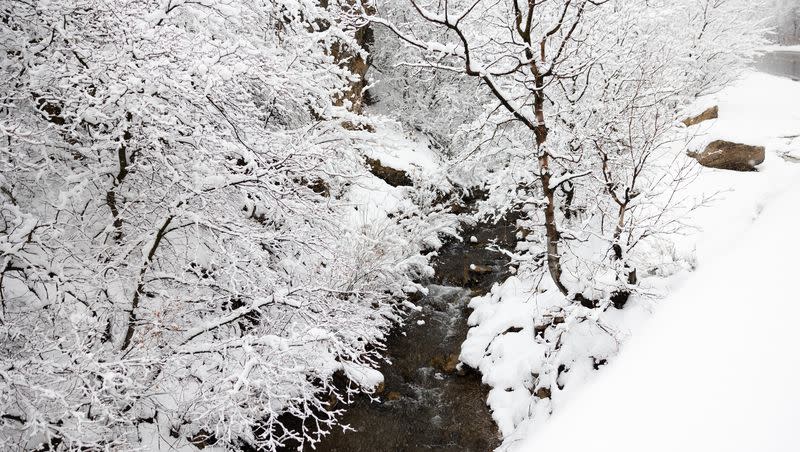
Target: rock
447	364
480	269
597	363
320	187
332	401
711	113
391	176
348	57
731	156
415	296
619	298
393	395
317	185
202	439
451	364
543	393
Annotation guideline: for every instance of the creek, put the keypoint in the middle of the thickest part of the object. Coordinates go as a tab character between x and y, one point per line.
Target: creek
427	404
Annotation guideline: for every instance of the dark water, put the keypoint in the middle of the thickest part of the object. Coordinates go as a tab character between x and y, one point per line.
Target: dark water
781	63
427	404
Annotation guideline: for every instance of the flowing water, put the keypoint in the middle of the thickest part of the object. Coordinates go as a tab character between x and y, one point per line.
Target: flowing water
427	404
781	63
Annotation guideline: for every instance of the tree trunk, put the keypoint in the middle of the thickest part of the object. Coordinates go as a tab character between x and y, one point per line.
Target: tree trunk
551	227
629	274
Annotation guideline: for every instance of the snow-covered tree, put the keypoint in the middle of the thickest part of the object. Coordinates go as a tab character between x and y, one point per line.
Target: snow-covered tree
786	20
179	258
578	97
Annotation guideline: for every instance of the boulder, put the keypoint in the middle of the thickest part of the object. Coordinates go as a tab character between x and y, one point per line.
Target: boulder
731	156
711	113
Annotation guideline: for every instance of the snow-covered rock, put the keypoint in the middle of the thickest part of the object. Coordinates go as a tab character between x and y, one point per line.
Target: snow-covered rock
723	154
707	115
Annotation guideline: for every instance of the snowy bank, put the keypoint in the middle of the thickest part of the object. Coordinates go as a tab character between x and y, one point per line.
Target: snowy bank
717	368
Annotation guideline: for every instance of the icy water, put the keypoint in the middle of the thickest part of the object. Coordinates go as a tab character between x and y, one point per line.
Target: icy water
781	63
426	404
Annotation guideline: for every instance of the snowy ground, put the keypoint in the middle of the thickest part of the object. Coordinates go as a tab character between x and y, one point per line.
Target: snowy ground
716	368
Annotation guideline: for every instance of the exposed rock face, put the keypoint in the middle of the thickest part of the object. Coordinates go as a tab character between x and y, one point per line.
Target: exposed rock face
731	156
354	59
711	113
391	176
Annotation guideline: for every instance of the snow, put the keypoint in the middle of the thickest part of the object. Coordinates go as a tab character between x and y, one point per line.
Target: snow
754	110
715	368
779	48
364	376
401	149
372	198
502	344
556	181
717	365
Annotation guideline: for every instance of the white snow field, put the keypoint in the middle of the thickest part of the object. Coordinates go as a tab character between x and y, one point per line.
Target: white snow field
717	367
